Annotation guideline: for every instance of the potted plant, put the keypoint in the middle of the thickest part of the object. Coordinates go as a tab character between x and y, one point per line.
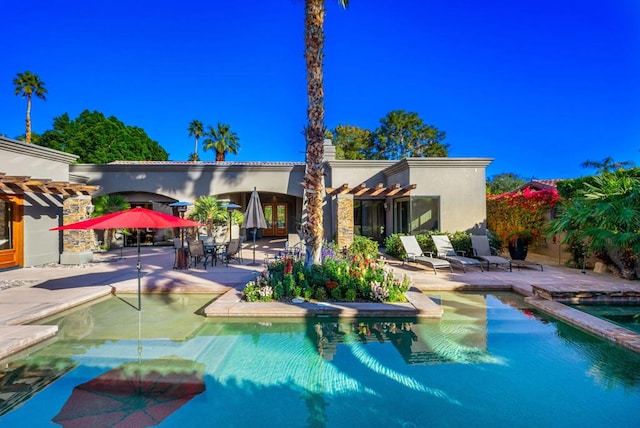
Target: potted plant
518	243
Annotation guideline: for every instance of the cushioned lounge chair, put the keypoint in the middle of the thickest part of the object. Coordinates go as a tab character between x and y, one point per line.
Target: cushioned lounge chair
415	254
446	251
482	251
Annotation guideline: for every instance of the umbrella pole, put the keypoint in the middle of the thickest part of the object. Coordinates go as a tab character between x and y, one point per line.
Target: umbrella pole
138	267
255	230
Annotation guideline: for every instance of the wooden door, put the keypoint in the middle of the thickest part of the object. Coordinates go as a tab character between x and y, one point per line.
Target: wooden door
11	231
275	213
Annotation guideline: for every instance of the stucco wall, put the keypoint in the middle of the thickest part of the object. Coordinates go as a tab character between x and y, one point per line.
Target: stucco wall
460	183
41	211
188	181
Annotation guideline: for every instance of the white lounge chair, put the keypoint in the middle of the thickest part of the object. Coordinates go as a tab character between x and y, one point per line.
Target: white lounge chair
446	251
482	250
415	254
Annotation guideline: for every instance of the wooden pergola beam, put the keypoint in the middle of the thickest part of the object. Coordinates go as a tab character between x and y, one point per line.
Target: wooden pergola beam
378	190
20	183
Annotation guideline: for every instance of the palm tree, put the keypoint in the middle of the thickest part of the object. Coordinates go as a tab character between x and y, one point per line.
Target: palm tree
312	230
196	129
107	204
604	216
606	165
29	84
221	139
208	210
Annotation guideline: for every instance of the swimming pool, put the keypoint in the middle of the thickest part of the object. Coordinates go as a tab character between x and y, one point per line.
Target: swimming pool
489	362
627	316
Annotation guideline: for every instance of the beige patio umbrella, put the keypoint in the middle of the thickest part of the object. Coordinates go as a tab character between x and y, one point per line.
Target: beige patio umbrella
254	219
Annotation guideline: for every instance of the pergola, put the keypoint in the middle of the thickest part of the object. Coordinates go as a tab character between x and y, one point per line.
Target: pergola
21	184
378	190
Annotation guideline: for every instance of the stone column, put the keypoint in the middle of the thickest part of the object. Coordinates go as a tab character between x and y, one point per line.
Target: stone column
77	245
344	217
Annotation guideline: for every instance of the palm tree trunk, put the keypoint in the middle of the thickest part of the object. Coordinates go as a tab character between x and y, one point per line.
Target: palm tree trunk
312	229
27	136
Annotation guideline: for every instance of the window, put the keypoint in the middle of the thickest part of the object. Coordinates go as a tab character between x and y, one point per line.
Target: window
416	214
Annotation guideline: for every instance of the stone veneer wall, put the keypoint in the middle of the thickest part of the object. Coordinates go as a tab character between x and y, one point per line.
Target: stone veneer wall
344	218
77	245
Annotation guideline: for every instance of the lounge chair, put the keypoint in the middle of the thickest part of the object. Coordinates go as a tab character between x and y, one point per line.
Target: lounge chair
415	254
446	251
482	251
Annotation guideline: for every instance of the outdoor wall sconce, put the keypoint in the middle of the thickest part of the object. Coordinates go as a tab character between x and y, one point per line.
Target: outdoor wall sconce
386	206
89	209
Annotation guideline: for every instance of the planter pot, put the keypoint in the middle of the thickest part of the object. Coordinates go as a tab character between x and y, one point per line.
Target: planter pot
518	249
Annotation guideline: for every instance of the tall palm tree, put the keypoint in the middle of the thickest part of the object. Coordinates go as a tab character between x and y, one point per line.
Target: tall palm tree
221	139
312	229
196	129
29	84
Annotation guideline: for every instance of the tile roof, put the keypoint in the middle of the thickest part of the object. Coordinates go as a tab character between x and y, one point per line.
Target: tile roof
225	163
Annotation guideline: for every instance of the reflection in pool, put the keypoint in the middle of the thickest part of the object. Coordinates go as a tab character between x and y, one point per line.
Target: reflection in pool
489	361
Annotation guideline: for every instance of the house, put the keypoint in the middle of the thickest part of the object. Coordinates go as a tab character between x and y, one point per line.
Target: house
34	188
373	198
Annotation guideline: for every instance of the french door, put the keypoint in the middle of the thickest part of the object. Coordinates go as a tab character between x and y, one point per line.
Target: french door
275	213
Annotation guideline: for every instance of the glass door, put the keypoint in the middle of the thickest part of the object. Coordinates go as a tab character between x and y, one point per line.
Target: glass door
275	213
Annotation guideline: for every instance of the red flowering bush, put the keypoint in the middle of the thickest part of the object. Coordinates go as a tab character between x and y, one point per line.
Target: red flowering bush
520	214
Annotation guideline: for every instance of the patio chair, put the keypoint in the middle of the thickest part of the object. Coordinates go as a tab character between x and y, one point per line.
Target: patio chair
482	251
294	246
415	254
446	251
232	252
197	253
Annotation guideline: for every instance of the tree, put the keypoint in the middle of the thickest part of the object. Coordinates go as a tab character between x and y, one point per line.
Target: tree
221	139
196	129
98	139
504	183
208	210
403	135
29	84
312	229
606	165
352	142
107	204
605	216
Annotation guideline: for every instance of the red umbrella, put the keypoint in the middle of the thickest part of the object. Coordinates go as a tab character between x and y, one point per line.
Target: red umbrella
135	218
133	395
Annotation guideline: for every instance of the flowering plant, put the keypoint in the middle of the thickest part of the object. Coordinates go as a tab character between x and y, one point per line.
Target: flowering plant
520	214
340	277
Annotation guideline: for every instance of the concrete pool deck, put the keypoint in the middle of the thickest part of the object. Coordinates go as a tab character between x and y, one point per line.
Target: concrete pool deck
33	293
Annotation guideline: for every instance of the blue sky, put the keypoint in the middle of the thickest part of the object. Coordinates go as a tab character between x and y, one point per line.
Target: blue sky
540	86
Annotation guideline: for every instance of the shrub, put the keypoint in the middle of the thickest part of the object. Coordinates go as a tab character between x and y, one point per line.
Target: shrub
339	277
364	247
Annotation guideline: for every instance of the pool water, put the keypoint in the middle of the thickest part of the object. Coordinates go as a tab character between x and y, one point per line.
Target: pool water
627	316
489	362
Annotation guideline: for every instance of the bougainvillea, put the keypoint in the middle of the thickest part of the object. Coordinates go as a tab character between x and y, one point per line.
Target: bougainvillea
520	214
